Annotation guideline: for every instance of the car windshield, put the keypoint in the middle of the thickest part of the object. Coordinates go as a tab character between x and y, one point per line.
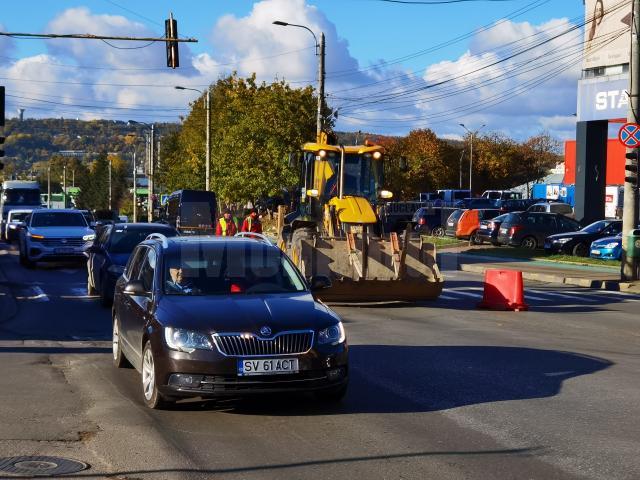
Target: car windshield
19	217
456	215
58	219
500	218
124	240
595	227
229	268
21	196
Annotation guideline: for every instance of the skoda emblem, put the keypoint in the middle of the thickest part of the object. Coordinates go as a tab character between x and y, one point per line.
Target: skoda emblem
265	331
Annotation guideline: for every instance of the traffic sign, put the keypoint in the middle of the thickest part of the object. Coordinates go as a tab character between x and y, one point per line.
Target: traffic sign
629	135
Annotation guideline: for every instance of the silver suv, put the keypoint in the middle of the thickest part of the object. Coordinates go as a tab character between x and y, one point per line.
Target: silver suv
54	235
552	207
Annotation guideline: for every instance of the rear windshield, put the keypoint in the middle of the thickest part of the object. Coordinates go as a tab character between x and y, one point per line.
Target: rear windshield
512	218
58	219
21	196
124	240
197	214
221	269
456	215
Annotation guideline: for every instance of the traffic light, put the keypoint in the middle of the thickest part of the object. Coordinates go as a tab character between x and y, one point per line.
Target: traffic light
171	33
632	170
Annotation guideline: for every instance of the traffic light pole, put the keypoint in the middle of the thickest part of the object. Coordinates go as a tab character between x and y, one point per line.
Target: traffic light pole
629	267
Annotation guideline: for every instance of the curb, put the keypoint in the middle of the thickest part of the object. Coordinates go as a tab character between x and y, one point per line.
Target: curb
554	278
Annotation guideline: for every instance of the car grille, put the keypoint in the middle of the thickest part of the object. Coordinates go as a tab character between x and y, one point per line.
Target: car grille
62	242
248	344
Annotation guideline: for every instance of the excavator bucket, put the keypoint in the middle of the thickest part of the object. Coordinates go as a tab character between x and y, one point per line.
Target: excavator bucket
367	269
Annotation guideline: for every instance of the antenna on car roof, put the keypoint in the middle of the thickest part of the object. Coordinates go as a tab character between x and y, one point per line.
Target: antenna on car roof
255	236
158	236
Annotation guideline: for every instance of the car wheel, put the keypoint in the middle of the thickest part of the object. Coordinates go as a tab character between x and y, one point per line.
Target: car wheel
438	231
475	239
152	397
332	395
119	360
580	250
529	243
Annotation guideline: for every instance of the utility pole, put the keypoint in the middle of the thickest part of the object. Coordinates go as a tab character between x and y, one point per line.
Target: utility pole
135	186
207	167
49	185
629	265
109	183
471	134
151	173
64	184
320	87
73	178
460	169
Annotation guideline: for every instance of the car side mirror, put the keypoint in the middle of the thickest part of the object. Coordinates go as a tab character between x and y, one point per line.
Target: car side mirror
136	288
320	282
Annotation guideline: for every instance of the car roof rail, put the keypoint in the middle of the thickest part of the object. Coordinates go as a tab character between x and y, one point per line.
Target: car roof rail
159	236
255	236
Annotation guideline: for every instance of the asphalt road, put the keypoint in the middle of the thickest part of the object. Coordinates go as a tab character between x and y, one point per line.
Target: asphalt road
440	390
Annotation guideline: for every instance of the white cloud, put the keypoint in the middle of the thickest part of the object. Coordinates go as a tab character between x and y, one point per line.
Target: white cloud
379	97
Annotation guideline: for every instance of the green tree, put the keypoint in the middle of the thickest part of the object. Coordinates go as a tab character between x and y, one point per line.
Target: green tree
253	128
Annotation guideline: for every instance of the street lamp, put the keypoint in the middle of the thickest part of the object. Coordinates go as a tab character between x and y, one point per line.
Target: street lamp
207	106
472	134
150	172
320	54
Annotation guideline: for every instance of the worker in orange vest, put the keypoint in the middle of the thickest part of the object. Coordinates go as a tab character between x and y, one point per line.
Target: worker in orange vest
252	223
226	227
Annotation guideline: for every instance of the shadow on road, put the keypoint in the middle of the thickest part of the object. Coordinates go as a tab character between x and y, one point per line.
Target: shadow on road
402	379
197	473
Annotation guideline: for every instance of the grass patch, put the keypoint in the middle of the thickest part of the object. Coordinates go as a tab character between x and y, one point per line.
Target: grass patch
443	242
509	252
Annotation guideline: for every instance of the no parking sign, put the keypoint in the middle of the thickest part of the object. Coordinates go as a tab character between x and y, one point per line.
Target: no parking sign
629	135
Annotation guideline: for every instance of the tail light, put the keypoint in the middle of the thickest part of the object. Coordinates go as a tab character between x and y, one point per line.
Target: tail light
421	221
235	288
514	229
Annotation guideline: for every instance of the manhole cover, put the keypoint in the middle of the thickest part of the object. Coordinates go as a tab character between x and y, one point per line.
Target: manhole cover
39	466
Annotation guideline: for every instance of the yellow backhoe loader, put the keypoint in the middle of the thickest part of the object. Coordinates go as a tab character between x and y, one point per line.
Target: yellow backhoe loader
335	231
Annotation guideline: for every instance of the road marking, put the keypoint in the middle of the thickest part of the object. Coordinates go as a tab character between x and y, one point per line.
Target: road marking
465	294
576	297
38	295
535	297
447	297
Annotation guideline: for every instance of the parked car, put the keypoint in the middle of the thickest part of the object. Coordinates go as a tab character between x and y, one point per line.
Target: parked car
15	220
552	207
529	229
515	205
225	316
50	235
578	243
452	222
110	252
477	203
469	223
488	229
607	248
431	221
502	195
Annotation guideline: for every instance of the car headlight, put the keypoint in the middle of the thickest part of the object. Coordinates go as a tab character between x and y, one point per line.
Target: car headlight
611	245
90	236
186	340
562	240
333	334
116	269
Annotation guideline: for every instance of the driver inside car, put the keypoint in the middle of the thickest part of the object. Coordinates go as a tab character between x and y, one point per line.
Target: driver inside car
178	283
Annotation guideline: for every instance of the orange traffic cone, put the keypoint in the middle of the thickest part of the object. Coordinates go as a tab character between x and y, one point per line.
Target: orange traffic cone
503	290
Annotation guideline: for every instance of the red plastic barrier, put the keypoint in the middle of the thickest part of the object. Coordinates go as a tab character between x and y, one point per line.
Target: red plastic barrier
503	290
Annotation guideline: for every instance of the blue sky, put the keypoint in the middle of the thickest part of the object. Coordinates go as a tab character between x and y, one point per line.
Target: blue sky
360	33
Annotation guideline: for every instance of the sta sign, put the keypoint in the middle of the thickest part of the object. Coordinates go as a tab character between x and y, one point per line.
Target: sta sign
611	100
